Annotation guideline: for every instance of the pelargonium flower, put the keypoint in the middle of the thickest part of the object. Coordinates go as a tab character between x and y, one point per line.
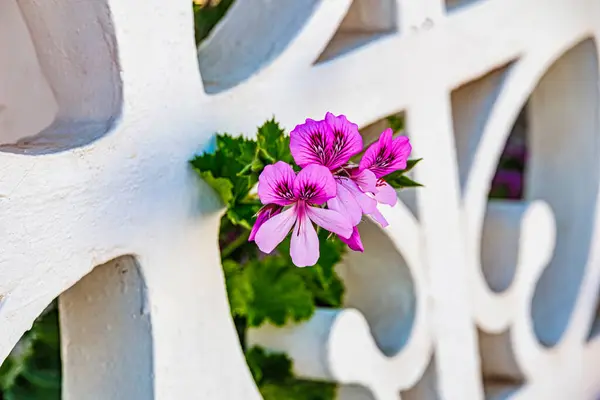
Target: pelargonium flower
264	214
296	200
330	142
386	155
383	157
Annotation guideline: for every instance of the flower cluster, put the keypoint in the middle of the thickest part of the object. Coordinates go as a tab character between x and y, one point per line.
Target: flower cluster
329	190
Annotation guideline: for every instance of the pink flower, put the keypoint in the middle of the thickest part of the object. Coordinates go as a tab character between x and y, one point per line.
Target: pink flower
383	157
268	211
386	155
299	195
352	199
354	241
330	142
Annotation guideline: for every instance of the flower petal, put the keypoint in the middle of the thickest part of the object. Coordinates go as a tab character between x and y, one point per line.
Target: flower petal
273	231
387	155
379	218
263	216
386	194
354	241
331	220
347	141
366	180
367	204
346	204
310	142
314	184
276	183
401	149
304	246
369	159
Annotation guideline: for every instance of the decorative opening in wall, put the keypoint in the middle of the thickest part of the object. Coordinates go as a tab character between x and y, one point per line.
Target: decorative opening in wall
426	387
354	392
472	105
594	330
207	13
366	21
505	213
60	86
502	376
508	182
563	170
384	292
33	370
454	5
102	318
251	36
107	315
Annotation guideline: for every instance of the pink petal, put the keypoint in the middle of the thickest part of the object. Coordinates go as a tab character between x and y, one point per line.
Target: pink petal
379	218
367	204
347	141
273	231
401	149
366	180
386	194
346	204
309	142
354	241
314	184
369	159
331	220
276	183
387	155
264	215
304	246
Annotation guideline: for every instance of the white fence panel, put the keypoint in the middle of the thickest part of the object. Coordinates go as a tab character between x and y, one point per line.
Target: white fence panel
101	106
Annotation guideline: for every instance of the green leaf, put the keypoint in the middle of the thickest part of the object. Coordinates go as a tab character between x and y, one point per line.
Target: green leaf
279	294
243	214
239	289
33	370
401	181
410	164
396	122
222	186
268	366
273	143
298	390
16	362
275	380
322	279
206	17
229	170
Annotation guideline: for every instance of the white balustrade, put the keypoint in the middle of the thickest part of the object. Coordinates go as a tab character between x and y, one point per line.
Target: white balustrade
102	104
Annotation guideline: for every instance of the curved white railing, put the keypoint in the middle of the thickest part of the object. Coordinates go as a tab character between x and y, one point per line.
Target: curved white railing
103	105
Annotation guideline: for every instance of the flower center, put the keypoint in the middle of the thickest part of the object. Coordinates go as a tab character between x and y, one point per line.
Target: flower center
383	159
308	192
339	142
284	190
318	144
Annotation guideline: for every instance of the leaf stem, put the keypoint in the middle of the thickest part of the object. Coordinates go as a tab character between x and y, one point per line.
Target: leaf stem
233	246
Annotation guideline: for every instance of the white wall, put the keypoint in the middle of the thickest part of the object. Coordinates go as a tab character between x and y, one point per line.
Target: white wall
102	105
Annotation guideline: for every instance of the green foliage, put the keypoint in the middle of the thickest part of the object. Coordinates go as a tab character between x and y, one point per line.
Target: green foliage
266	288
275	380
399	180
33	371
396	122
207	14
